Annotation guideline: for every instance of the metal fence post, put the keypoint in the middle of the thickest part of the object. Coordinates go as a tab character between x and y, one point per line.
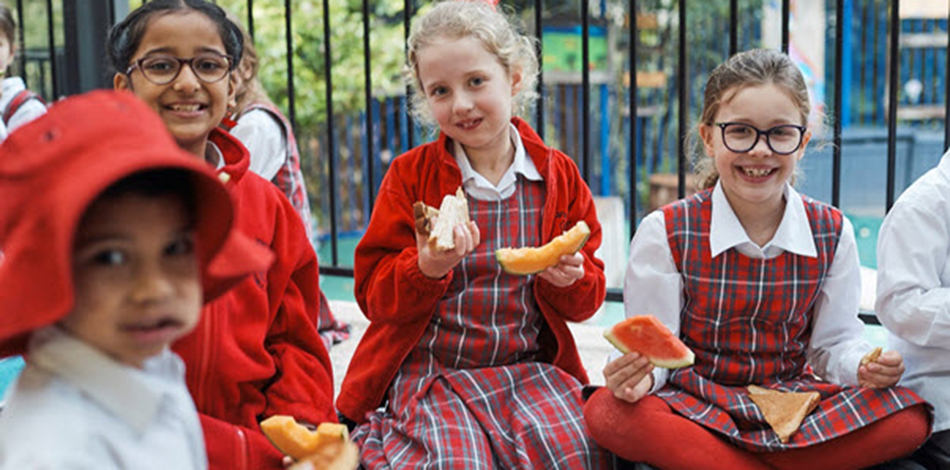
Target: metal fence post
86	26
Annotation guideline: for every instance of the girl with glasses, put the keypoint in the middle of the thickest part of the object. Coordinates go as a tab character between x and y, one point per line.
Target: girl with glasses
256	351
763	285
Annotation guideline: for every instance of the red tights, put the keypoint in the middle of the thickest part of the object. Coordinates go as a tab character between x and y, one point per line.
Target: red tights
649	431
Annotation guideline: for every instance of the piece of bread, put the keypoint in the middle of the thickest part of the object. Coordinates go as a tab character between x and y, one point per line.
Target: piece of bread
440	223
425	216
784	411
871	356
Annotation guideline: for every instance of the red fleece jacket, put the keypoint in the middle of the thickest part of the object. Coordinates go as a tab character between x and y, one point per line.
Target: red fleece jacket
399	300
256	351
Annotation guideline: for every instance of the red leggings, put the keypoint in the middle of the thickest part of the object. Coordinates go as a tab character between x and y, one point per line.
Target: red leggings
649	431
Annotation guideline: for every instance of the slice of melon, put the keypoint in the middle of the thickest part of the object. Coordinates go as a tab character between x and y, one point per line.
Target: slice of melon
646	335
295	440
524	261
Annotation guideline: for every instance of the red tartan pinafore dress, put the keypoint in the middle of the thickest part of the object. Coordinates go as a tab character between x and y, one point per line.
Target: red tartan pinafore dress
470	394
749	321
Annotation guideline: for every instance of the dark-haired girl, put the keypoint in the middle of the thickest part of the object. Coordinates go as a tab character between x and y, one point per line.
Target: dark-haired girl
256	351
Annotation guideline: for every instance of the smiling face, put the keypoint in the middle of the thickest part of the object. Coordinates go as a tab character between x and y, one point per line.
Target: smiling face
190	108
136	276
756	177
469	93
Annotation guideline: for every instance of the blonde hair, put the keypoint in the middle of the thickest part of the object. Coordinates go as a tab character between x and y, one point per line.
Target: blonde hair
455	19
747	69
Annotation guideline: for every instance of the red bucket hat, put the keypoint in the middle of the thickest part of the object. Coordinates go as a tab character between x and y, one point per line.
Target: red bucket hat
53	168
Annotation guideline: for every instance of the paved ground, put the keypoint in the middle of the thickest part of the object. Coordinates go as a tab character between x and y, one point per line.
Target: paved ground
590	341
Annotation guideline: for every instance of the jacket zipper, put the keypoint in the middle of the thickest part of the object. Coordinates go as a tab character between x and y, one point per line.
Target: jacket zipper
242	449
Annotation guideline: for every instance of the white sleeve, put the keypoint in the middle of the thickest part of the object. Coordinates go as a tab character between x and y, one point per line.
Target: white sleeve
264	138
837	340
28	111
913	301
652	284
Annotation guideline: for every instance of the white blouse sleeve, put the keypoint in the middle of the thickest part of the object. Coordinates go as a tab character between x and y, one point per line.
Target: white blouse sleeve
264	138
652	284
837	340
913	298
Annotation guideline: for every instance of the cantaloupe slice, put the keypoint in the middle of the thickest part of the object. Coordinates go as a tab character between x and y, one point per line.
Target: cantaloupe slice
296	440
524	261
648	336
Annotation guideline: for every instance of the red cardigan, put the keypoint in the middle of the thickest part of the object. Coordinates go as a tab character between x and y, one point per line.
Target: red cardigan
399	300
256	351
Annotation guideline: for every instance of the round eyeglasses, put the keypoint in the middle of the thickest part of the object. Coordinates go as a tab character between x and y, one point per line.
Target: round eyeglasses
164	69
741	138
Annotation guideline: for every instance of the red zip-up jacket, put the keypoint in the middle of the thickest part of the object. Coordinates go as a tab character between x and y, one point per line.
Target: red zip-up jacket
399	300
256	352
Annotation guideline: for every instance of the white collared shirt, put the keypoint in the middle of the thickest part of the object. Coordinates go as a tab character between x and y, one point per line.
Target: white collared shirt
653	284
478	187
913	286
73	407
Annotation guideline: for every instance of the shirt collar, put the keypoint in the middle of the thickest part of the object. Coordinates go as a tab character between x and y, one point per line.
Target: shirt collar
133	395
793	234
521	163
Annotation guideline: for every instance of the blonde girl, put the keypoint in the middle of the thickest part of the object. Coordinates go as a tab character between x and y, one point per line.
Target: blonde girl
464	365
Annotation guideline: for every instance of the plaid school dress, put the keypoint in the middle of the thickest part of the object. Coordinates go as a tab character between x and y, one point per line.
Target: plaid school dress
749	322
470	394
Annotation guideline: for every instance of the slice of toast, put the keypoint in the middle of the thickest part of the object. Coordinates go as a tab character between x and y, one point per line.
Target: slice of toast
784	411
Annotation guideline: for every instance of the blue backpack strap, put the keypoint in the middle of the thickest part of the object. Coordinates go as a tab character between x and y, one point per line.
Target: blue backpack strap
22	97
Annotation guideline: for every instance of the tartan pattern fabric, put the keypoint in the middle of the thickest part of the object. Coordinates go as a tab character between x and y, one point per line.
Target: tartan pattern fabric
470	394
749	322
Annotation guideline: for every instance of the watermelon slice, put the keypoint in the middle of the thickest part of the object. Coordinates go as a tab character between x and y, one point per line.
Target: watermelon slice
652	339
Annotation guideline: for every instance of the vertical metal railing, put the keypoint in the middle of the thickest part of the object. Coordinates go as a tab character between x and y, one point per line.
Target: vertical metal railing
683	99
331	135
585	91
368	92
893	64
22	48
680	89
634	136
836	139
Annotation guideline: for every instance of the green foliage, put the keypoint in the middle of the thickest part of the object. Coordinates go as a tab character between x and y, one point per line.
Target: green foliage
346	46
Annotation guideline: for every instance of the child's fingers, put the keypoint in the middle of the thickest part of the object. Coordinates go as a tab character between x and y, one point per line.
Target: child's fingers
890	359
476	233
463	240
573	260
626	373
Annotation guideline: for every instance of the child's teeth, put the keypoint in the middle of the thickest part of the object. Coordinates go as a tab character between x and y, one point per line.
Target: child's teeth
185	107
756	172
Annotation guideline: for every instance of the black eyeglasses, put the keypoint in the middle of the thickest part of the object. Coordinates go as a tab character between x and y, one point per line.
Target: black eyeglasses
164	69
741	138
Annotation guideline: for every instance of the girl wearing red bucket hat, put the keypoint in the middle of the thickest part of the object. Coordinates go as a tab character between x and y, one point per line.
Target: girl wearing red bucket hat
110	232
256	351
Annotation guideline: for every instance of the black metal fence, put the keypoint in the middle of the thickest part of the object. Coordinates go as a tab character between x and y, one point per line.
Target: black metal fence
620	88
